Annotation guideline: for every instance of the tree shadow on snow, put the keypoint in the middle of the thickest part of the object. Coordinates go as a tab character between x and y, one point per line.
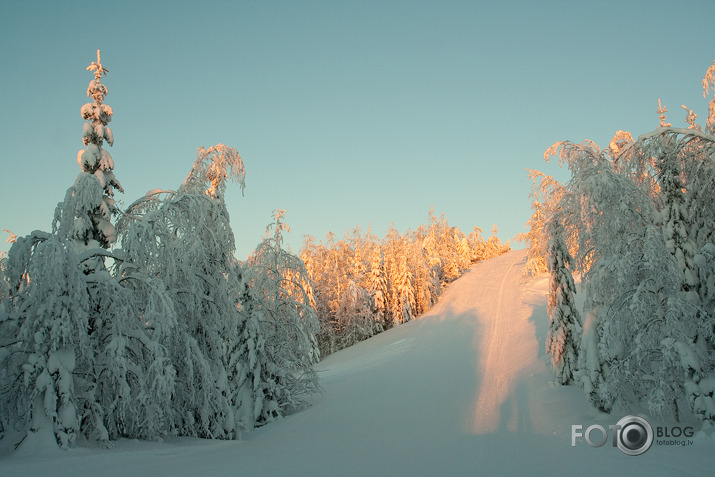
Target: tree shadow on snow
514	413
540	319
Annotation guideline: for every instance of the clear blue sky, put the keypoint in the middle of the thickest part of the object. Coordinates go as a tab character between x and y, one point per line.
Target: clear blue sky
345	112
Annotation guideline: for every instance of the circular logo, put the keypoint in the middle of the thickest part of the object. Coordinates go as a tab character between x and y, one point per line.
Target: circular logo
634	436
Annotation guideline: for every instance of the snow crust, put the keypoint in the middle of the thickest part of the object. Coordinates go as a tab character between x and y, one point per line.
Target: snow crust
465	390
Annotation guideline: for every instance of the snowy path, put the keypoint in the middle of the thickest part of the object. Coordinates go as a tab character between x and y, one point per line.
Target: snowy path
506	347
462	391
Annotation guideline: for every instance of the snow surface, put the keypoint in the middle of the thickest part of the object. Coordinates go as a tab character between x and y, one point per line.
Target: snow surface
465	390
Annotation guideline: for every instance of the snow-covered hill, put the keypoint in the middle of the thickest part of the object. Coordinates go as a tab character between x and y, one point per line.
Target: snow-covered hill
465	390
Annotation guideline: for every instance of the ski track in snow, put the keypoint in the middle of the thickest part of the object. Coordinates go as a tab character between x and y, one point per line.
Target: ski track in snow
465	390
501	356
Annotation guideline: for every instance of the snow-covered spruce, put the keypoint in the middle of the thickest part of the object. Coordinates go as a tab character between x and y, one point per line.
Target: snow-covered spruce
85	214
564	336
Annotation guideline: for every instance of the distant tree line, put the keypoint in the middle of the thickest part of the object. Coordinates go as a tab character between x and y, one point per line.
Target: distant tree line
363	285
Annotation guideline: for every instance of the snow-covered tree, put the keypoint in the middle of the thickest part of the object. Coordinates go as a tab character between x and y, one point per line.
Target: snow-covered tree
321	268
80	350
185	238
85	215
357	261
708	84
354	316
399	277
279	280
44	338
404	291
464	253
132	379
476	245
535	259
683	164
4	289
545	194
425	278
494	246
4	286
78	361
564	337
251	370
607	214
377	283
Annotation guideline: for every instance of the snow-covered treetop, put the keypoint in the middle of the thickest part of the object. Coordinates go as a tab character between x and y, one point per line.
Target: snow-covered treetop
85	214
276	228
211	169
709	82
97	114
97	67
690	118
619	141
96	89
661	115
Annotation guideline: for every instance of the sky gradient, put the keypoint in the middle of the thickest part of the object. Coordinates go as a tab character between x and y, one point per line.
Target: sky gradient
345	112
